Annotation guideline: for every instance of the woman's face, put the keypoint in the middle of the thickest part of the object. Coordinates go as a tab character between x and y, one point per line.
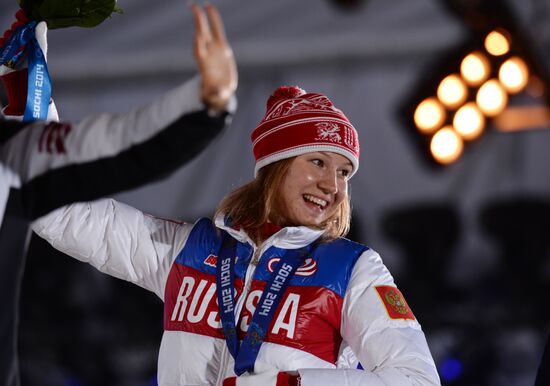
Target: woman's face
313	188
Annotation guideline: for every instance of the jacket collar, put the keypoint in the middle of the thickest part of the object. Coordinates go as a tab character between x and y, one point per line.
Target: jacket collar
286	238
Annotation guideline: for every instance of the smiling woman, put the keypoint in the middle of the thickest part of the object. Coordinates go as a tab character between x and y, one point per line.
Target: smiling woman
269	292
313	189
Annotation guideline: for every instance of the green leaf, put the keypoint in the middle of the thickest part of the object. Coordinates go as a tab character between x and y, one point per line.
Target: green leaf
69	13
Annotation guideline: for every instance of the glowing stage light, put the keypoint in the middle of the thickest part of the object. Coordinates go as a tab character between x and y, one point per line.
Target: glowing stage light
475	68
514	74
496	43
429	115
491	98
446	146
469	122
489	81
452	91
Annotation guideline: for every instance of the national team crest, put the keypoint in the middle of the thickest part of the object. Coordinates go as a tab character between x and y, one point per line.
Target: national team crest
308	268
395	303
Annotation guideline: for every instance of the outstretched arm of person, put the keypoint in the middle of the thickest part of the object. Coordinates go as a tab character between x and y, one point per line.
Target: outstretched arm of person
117	239
58	163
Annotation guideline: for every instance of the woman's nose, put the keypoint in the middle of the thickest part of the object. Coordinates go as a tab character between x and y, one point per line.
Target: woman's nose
328	182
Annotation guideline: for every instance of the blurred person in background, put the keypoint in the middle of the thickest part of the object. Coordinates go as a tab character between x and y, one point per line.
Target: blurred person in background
48	164
269	292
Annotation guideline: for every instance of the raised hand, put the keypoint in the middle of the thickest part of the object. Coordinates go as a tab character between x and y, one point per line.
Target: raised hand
214	57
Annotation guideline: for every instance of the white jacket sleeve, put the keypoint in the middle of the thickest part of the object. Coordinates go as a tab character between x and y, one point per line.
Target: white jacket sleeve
391	349
116	239
106	153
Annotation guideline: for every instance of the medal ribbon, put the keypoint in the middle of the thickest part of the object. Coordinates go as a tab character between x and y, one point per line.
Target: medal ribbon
225	277
246	355
39	89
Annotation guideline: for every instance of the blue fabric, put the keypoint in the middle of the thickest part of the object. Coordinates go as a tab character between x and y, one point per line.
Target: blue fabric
332	263
9	54
39	85
335	260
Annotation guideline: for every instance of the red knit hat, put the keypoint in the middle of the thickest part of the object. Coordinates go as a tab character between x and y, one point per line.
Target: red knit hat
296	123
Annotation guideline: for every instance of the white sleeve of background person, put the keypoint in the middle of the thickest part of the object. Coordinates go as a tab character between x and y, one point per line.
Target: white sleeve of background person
392	351
114	132
116	239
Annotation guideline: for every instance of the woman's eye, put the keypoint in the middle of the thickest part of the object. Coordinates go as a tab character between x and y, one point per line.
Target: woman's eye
345	173
318	162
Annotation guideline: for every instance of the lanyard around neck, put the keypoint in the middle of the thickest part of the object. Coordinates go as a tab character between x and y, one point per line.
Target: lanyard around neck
246	355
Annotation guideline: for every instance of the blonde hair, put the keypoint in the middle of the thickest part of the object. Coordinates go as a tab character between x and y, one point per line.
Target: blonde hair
255	203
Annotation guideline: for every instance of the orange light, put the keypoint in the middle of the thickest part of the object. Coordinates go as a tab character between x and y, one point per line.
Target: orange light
475	68
446	146
469	122
496	43
514	74
429	115
491	98
452	91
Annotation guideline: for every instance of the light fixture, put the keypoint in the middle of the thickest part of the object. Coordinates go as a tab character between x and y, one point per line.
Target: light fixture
496	43
469	121
429	115
491	98
514	74
452	91
464	94
446	145
475	68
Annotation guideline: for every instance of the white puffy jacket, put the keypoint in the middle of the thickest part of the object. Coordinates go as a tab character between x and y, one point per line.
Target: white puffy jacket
320	330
